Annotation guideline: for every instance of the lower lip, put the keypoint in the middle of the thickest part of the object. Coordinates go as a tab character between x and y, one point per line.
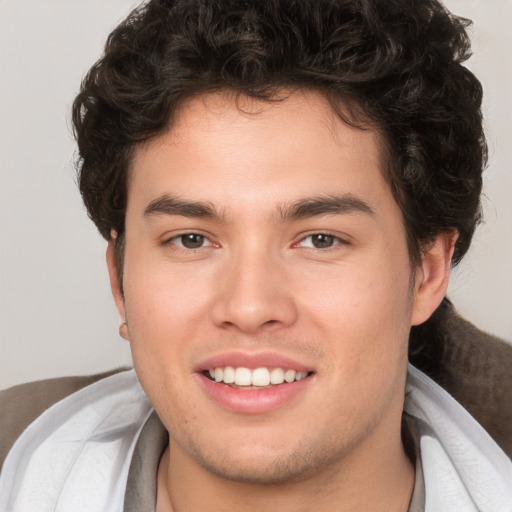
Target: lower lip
253	401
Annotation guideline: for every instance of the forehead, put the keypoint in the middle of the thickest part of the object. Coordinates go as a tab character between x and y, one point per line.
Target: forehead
232	148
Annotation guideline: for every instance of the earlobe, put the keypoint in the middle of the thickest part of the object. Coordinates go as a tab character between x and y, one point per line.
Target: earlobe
123	331
115	286
432	277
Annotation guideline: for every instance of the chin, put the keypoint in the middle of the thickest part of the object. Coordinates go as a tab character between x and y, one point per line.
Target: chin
267	467
280	471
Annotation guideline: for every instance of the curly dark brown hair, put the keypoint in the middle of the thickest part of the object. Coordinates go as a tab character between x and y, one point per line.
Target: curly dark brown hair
393	65
397	61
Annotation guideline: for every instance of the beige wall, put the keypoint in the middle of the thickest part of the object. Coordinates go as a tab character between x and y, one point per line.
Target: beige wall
56	315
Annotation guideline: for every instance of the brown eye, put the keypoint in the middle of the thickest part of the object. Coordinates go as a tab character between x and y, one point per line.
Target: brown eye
191	240
322	241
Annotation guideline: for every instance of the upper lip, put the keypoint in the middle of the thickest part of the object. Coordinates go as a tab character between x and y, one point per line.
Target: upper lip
252	360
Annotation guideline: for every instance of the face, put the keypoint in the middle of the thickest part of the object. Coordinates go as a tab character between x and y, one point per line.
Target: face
267	287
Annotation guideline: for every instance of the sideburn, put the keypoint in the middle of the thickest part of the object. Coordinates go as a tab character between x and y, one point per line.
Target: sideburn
119	245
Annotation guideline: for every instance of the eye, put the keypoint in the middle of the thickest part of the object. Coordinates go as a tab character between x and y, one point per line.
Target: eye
190	241
320	241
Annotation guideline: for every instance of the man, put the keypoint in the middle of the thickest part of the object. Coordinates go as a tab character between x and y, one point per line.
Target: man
283	187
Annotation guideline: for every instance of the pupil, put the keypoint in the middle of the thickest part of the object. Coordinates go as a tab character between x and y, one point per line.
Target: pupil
192	241
322	241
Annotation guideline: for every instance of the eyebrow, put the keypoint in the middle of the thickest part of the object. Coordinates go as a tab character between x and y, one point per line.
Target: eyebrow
302	209
324	205
169	205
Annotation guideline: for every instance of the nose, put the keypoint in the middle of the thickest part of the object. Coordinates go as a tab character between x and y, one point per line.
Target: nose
254	294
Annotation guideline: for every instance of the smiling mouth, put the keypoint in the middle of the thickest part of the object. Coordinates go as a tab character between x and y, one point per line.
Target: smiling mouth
245	378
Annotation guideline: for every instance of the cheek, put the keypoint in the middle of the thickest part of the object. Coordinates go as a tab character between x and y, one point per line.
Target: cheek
159	298
158	333
369	293
364	312
163	312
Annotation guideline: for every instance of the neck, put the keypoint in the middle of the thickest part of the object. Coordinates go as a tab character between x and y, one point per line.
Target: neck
376	477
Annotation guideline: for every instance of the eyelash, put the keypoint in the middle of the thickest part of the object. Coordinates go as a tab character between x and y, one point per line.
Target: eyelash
337	241
180	246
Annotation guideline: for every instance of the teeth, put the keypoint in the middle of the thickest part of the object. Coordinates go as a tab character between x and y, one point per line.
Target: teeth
277	376
243	376
229	375
260	377
289	375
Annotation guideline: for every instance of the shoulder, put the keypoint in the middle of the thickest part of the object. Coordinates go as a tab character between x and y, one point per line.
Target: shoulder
22	404
477	370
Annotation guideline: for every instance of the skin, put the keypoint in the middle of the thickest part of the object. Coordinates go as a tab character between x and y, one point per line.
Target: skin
259	283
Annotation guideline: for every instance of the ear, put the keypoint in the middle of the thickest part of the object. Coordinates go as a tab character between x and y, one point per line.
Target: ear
432	276
115	286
